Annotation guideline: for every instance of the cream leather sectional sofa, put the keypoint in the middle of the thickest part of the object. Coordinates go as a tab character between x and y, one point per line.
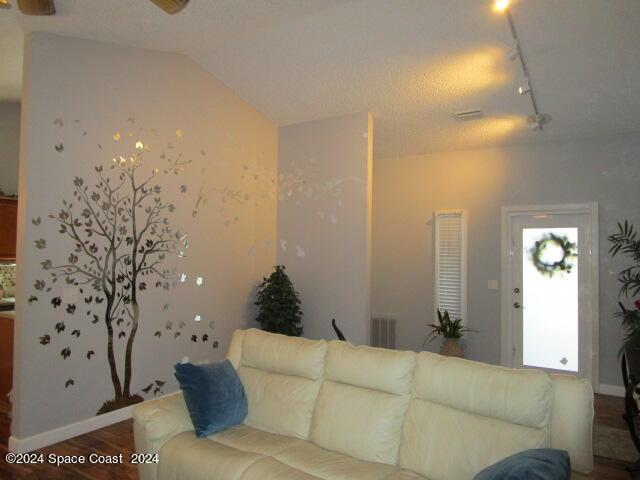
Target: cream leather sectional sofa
331	410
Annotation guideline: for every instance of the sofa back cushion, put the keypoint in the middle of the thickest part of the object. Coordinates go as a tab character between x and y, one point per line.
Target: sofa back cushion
281	377
389	371
284	355
362	403
466	416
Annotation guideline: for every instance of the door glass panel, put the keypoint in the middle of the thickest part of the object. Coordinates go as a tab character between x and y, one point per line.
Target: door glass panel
550	298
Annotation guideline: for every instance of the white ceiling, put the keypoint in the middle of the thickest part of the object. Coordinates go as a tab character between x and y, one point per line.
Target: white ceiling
410	62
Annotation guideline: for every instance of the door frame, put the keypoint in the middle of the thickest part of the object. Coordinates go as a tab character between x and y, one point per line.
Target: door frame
506	332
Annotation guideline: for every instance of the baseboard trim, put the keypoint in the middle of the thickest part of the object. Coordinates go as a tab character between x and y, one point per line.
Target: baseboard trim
615	390
44	439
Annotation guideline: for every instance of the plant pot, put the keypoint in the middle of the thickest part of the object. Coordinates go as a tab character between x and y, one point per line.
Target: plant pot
451	347
632	355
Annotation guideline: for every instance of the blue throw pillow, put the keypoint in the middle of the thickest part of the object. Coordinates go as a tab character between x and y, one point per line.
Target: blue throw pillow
538	464
214	396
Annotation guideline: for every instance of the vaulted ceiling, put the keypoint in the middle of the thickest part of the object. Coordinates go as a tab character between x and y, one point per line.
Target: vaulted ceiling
413	63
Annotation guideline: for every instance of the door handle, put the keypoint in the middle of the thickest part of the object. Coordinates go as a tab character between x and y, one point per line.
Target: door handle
516	305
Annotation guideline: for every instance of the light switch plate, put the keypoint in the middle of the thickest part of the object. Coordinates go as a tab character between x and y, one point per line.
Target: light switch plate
492	284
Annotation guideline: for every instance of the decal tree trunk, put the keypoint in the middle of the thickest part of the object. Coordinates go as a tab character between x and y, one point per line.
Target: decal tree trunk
122	238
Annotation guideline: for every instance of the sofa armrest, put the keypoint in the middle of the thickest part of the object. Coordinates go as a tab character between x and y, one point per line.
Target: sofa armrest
154	423
572	420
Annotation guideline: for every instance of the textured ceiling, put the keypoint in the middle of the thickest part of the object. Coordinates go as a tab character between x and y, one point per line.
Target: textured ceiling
410	62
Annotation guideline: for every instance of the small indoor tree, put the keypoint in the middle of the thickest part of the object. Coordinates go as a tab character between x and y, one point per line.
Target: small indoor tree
279	305
627	242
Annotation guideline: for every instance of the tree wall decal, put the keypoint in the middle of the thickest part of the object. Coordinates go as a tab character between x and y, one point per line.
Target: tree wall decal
120	229
116	244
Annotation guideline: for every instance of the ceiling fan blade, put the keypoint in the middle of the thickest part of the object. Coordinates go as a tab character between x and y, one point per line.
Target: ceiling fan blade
37	7
171	6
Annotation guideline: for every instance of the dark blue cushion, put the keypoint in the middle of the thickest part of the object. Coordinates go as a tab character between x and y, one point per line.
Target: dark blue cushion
214	396
539	464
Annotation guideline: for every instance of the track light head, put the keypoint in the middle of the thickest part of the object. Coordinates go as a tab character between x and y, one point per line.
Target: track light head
501	6
524	89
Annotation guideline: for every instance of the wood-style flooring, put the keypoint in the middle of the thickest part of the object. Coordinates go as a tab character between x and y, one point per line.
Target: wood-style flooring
118	438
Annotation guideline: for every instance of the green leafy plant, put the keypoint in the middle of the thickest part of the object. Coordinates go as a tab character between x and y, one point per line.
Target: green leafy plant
627	242
446	328
279	305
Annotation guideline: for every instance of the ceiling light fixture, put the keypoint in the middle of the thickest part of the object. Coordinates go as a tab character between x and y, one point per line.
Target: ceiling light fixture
538	119
5	4
501	5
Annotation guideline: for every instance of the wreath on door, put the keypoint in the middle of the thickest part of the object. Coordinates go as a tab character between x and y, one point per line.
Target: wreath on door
564	264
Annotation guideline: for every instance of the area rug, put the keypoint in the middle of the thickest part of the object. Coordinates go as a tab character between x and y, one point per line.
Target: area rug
613	443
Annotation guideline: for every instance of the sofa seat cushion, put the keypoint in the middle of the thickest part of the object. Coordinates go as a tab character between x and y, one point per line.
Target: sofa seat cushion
269	468
248	439
405	475
187	457
327	464
245	453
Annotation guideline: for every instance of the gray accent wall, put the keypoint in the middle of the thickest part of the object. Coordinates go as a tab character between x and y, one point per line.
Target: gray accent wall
211	161
408	190
324	221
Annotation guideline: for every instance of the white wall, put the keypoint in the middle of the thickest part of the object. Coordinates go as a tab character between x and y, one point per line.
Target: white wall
9	146
85	103
408	190
324	212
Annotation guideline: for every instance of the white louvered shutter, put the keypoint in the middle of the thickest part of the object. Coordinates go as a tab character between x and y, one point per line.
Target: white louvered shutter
451	263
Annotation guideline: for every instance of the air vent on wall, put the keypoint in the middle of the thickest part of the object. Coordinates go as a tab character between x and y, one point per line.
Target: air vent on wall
468	115
383	332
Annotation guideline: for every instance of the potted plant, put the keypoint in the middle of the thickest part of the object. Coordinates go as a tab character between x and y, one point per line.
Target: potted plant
279	305
627	242
452	331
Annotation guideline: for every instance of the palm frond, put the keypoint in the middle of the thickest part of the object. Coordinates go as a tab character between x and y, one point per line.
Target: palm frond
626	241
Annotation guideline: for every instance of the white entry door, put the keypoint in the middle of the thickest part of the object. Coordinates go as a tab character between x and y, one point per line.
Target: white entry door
550	294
